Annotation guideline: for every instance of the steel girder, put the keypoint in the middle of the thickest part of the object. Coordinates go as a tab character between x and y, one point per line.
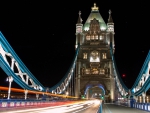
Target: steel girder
142	83
62	85
123	90
23	76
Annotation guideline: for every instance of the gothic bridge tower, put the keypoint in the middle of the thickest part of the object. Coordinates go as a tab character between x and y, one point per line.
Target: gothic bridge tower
94	71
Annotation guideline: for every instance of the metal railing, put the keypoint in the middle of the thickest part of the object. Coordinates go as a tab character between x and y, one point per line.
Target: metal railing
100	109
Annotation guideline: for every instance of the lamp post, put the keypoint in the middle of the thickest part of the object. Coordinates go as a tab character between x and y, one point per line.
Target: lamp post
67	93
26	92
10	80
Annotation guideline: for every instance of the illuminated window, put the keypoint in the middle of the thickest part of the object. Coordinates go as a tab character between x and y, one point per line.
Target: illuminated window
96	37
92	37
102	71
104	56
110	28
87	71
87	37
78	30
101	37
94	71
84	55
94	56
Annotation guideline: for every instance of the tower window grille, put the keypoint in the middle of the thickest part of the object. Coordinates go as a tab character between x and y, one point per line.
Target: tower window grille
84	55
104	56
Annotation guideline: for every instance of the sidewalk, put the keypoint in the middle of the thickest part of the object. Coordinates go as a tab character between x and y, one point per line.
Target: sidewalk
113	108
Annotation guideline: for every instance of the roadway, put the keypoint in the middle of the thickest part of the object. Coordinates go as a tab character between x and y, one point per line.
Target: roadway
81	107
77	107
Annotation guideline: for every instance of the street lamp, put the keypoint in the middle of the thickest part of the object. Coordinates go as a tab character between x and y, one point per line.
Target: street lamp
10	80
26	92
67	93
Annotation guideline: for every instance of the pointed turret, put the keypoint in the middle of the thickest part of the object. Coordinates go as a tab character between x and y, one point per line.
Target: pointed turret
110	30
79	27
110	20
79	18
95	14
110	23
79	24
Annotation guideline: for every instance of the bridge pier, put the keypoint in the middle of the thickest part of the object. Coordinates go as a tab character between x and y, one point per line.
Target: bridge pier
78	65
37	96
112	91
112	82
87	94
136	98
143	97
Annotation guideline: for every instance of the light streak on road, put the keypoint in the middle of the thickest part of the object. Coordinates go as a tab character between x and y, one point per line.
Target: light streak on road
71	108
35	92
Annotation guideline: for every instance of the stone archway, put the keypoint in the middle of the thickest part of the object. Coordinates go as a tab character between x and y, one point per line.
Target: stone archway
98	90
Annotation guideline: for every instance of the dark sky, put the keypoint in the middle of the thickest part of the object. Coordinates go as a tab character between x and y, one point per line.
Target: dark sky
43	35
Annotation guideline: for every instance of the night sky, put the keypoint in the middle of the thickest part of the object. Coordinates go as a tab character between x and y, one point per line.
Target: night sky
43	35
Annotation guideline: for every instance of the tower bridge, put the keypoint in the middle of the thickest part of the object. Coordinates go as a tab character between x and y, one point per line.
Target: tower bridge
93	70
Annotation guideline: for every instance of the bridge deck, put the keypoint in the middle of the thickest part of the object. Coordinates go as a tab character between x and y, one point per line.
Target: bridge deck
112	108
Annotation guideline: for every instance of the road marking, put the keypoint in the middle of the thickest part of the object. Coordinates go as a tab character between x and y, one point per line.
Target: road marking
108	109
81	109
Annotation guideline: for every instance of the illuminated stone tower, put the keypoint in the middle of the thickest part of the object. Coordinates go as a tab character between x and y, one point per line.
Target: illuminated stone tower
94	72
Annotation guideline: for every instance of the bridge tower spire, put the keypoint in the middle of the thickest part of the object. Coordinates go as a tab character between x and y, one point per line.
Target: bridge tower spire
110	30
79	27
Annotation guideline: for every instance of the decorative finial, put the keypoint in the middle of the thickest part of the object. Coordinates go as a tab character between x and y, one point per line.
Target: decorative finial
79	13
109	12
79	19
110	20
94	8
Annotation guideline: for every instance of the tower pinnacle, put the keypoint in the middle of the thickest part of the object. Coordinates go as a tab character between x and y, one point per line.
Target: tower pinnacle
95	8
79	19
110	20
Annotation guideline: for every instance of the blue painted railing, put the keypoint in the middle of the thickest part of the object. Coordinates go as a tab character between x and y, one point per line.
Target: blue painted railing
18	103
100	109
142	106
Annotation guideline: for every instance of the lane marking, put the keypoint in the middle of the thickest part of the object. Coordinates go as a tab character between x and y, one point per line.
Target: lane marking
81	109
108	109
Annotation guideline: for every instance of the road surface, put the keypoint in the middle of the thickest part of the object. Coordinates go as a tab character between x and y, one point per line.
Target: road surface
81	107
78	107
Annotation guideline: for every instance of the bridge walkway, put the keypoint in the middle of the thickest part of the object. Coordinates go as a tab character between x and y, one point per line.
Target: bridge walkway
113	108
